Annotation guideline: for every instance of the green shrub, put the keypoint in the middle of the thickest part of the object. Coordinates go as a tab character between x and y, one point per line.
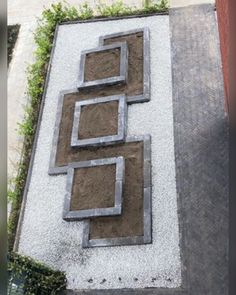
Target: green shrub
115	9
34	277
85	11
154	6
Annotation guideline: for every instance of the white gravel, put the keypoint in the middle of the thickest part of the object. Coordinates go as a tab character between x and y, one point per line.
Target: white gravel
46	237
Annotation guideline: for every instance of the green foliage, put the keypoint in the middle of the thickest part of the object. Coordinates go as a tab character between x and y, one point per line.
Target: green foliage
15	196
11	195
118	8
151	6
85	11
36	278
115	9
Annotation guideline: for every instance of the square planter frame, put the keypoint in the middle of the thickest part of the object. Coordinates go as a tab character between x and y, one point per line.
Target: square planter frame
103	140
145	97
73	215
53	168
82	84
147	206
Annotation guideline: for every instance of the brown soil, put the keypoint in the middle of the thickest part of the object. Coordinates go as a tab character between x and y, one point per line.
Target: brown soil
134	84
98	120
135	61
101	65
130	223
107	66
93	187
63	147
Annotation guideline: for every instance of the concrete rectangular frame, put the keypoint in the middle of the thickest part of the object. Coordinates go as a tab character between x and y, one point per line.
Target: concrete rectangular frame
104	140
147	212
110	80
146	62
53	169
69	215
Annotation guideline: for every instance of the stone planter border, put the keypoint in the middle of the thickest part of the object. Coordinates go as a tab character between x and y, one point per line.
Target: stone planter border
147	212
110	80
103	140
69	215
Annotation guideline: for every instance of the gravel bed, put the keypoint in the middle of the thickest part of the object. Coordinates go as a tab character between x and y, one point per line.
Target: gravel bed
46	237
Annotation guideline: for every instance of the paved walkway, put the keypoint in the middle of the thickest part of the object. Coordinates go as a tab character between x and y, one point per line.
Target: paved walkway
201	148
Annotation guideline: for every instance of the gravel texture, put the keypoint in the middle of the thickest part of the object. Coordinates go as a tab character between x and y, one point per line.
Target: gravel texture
46	237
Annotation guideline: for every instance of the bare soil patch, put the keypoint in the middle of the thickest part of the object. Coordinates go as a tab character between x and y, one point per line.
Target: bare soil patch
102	64
130	223
98	120
93	187
134	41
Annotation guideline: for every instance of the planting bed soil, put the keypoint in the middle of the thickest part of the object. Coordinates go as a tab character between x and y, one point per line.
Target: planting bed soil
134	85
102	65
98	120
93	187
130	223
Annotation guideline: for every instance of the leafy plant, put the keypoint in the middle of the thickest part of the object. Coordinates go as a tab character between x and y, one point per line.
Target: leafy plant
85	11
154	6
33	277
115	9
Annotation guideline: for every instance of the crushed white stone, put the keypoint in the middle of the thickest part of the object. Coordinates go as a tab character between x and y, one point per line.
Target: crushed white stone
46	237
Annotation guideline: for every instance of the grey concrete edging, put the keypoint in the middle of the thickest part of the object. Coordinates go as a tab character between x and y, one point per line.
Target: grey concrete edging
103	140
145	97
69	215
147	211
82	84
53	169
